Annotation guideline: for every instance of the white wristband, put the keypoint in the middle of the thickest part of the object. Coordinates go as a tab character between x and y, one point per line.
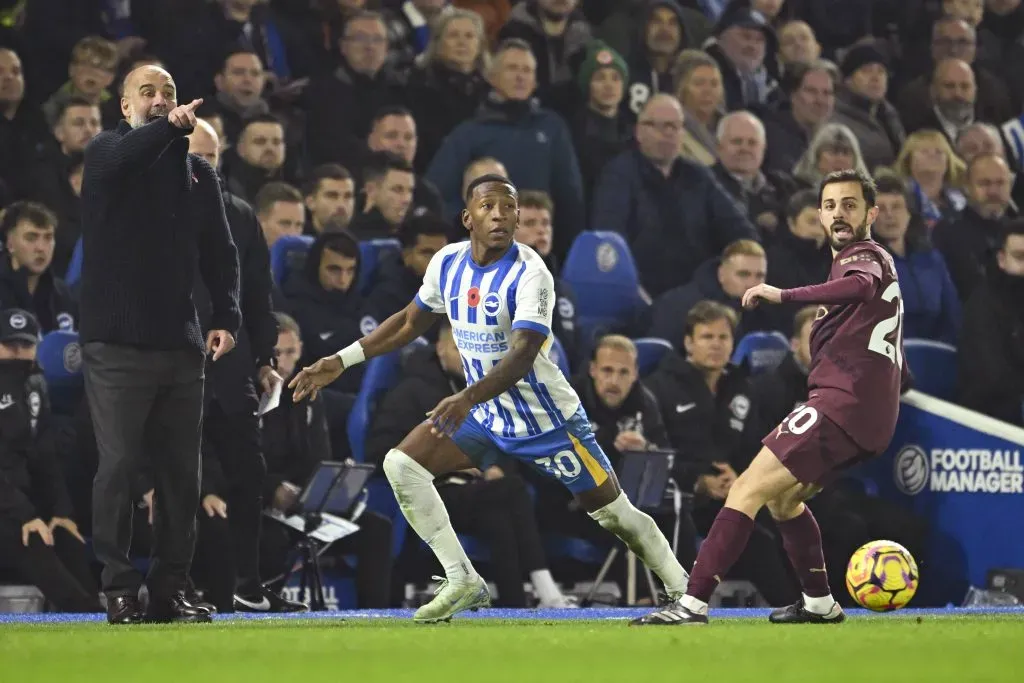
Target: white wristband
351	355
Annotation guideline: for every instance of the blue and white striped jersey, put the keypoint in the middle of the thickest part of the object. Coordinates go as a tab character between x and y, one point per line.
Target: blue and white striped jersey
484	305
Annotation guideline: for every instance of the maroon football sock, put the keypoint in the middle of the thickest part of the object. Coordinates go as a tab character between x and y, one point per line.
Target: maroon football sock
802	539
722	547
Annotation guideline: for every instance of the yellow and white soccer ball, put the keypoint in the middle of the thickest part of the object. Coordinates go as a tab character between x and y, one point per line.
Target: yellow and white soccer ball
882	576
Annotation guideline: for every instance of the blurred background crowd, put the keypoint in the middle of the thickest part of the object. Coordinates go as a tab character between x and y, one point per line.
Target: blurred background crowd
696	131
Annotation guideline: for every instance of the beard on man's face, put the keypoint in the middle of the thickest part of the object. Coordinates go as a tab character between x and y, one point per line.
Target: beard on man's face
841	233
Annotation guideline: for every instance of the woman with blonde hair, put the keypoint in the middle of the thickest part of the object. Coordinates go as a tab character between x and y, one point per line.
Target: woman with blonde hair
698	87
934	174
833	148
447	85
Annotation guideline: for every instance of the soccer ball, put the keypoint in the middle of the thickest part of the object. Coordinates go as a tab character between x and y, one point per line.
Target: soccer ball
882	576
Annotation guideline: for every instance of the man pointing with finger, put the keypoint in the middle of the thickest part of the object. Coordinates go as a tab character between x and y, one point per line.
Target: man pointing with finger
151	214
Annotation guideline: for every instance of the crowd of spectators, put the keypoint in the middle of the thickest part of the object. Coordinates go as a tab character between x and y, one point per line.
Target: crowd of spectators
697	129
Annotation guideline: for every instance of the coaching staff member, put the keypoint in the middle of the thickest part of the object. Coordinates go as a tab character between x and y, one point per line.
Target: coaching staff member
150	213
233	464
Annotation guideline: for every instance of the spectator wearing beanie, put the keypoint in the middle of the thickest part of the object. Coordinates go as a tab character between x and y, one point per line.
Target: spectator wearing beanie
599	130
862	107
745	46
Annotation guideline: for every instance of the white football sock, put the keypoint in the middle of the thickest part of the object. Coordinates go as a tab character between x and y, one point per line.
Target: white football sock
822	605
694	605
639	532
544	585
423	508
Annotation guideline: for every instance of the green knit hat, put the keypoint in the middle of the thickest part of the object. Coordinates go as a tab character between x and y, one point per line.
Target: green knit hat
599	56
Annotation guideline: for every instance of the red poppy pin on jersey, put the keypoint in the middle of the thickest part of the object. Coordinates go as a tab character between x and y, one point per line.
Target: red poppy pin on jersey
473	297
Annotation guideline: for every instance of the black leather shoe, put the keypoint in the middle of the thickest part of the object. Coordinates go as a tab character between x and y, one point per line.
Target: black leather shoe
124	609
192	595
175	609
798	614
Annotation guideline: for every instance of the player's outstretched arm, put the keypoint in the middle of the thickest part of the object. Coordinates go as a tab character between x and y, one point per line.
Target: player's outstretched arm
855	287
450	413
392	334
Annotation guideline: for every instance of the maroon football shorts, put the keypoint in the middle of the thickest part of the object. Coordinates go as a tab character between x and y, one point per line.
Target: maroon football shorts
813	447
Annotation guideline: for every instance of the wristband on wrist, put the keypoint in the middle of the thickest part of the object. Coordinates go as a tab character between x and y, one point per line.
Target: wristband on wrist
351	355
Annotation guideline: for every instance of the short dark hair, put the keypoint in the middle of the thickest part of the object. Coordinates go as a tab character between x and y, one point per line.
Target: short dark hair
275	192
66	103
706	312
35	213
390	110
382	163
238	47
536	199
427	223
887	182
851	175
340	243
801	201
489	178
261	118
321	173
365	15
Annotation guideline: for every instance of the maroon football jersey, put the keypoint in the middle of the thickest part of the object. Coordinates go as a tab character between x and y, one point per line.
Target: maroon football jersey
857	361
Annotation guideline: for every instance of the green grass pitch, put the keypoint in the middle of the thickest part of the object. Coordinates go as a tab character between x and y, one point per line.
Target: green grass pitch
872	650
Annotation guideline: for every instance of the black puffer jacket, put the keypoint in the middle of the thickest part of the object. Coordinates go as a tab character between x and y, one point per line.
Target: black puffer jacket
329	320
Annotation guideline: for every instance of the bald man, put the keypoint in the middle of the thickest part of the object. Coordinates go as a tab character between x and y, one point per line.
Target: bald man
233	467
671	211
151	214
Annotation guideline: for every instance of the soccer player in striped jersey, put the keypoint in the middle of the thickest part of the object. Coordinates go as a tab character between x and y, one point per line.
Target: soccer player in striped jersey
498	295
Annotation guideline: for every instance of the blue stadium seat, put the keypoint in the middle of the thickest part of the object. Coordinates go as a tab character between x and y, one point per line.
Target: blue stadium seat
60	357
603	275
934	367
371	252
381	374
761	351
288	254
557	355
74	273
649	352
581	550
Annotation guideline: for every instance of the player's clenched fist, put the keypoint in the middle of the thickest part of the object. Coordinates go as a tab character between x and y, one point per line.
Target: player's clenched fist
184	116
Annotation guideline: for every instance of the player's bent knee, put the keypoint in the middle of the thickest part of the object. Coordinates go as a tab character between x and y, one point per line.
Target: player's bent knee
400	469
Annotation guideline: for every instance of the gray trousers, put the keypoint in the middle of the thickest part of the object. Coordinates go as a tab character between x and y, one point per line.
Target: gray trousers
147	409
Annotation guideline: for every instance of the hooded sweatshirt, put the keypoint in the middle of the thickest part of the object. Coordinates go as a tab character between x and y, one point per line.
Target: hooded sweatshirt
329	320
